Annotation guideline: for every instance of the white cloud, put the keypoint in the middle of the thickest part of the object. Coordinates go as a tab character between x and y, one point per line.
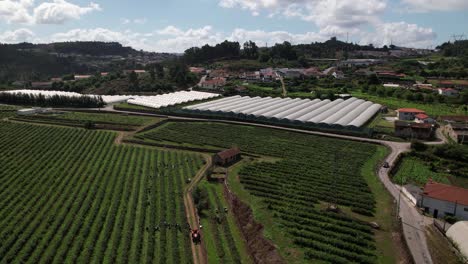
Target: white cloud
14	11
54	12
127	38
401	34
181	40
16	36
435	5
59	11
271	37
341	15
139	21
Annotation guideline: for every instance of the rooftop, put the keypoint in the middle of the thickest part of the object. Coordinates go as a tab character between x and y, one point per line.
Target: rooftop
228	153
446	192
410	110
421	116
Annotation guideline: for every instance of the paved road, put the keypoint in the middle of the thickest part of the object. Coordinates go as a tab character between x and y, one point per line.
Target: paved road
413	222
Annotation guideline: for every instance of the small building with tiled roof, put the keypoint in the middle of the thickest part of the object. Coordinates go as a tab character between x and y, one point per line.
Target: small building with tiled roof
408	113
440	199
414	130
423	118
227	157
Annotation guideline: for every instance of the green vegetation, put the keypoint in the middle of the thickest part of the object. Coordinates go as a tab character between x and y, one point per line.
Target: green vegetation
53	101
222	238
310	171
7	111
71	196
433	109
444	163
91	120
416	171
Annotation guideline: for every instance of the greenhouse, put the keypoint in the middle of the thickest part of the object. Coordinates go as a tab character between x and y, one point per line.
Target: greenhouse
352	112
170	99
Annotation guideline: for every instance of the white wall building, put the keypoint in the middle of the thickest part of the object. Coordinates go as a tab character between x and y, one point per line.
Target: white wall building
408	114
440	200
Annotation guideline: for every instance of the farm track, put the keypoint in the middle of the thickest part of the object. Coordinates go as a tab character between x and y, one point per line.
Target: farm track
198	251
413	222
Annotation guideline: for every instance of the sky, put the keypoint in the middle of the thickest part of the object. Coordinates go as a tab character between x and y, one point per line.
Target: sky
175	25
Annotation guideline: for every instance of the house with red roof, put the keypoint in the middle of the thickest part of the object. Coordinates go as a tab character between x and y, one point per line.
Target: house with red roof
423	118
408	114
440	199
227	157
213	84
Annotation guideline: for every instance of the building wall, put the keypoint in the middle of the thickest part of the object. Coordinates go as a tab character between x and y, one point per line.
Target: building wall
444	207
406	116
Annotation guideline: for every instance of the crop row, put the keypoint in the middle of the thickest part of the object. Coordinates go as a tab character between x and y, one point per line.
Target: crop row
311	171
71	195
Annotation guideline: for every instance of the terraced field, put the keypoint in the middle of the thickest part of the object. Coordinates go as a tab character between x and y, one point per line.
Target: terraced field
313	172
71	196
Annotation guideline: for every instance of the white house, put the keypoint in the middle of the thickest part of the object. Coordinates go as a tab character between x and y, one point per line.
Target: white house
448	92
408	114
423	118
440	200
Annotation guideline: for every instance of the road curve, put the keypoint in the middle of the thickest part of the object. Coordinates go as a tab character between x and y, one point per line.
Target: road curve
413	222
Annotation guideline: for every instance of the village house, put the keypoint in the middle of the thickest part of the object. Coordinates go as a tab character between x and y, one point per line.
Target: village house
313	71
448	92
423	86
268	75
213	84
358	62
81	77
457	131
227	157
251	76
441	200
290	73
197	70
423	118
138	72
414	130
408	114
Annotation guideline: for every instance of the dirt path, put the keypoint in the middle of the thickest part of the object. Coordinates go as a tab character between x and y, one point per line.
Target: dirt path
198	251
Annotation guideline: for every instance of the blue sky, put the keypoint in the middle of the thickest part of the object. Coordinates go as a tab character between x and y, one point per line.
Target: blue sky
175	25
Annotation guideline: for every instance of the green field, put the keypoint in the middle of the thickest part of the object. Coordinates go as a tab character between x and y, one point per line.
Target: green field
295	189
432	109
7	111
416	171
72	196
81	118
223	241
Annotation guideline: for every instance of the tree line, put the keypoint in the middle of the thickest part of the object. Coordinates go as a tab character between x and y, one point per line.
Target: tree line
52	101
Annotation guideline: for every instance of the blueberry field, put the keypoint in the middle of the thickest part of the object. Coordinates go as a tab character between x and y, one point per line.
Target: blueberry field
311	172
72	196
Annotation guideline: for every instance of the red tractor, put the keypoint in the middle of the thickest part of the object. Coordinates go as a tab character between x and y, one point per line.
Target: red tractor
196	236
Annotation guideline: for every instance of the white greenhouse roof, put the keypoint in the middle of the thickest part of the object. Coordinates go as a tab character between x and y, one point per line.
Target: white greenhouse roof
351	112
170	99
156	101
459	234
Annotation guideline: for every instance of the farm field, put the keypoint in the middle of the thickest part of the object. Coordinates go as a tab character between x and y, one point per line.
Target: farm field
223	241
72	196
97	120
433	109
7	111
311	173
414	170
